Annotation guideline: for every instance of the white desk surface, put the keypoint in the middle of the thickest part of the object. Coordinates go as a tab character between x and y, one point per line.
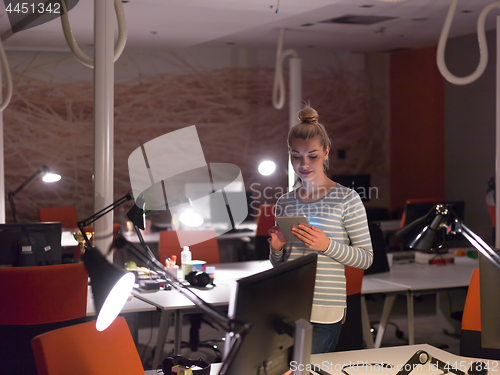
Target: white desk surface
396	356
418	277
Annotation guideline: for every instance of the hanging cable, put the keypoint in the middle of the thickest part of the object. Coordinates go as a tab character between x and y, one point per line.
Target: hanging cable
80	55
279	80
483	47
8	77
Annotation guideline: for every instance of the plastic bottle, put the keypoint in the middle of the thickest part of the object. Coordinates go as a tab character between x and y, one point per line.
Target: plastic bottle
186	260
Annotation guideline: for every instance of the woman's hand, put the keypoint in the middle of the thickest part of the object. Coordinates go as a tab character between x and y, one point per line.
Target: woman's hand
313	237
277	239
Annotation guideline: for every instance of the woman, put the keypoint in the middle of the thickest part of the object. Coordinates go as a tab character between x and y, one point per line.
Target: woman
338	233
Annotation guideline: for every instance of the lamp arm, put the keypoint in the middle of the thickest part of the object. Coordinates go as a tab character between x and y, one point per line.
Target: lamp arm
480	245
483	47
83	223
43	168
237	328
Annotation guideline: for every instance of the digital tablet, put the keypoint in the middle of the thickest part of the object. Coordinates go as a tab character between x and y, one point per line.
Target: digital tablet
286	223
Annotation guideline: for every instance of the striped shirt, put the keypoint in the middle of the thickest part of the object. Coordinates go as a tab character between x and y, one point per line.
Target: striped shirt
342	216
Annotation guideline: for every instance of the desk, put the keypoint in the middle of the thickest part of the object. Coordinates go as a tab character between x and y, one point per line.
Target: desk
172	302
396	356
414	278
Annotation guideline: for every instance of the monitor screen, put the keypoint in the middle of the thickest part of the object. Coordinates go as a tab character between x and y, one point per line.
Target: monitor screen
358	182
267	300
32	244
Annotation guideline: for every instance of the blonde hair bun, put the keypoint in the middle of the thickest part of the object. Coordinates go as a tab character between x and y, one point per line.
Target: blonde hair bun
308	115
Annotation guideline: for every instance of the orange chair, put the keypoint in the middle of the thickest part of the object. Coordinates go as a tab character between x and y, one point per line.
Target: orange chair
37	300
470	335
265	221
208	250
64	214
351	336
82	350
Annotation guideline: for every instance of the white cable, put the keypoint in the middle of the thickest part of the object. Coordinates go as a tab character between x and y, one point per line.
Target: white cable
279	80
8	76
73	45
483	47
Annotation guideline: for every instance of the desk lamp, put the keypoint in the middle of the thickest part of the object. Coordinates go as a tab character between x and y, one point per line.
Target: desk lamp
111	286
48	176
427	233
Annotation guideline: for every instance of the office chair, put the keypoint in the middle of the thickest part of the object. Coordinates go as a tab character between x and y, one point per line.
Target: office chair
82	350
265	221
351	336
36	300
470	335
208	251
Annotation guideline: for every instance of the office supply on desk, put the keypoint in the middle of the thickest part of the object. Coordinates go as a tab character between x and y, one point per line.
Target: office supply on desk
48	176
37	300
81	350
33	244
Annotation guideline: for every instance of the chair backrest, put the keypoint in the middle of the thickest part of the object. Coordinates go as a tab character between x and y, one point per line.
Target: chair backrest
81	350
64	214
43	294
380	263
207	250
35	300
353	279
265	219
471	318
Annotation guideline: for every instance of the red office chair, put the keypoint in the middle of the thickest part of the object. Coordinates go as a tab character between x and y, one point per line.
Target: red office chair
36	300
64	214
82	350
207	250
351	336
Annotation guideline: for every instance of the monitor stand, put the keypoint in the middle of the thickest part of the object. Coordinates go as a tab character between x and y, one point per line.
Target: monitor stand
302	346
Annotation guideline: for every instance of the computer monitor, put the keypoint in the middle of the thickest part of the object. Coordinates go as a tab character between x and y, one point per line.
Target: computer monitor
415	210
358	182
268	300
489	289
32	244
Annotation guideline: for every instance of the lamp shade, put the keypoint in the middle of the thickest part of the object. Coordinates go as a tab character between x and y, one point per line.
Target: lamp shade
110	286
428	232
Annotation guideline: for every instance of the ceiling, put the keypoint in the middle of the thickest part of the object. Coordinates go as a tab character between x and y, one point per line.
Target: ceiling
179	24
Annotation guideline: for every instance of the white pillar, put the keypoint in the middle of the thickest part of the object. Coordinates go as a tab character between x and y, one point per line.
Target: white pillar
295	105
104	16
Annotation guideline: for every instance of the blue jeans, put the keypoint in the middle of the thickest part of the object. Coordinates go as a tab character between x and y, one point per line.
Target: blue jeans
325	337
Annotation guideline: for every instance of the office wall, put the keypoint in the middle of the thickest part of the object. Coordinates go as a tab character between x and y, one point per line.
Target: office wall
225	92
417	127
470	131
